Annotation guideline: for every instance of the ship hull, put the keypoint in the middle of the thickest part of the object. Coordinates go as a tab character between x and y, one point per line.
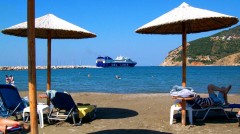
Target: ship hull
99	64
120	61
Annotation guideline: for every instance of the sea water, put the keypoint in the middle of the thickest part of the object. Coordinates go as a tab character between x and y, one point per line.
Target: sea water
139	79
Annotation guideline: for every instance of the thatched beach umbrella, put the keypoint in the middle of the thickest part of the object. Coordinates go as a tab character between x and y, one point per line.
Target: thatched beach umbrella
50	27
186	19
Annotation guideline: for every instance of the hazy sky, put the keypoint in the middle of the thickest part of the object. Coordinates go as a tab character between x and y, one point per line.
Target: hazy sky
113	21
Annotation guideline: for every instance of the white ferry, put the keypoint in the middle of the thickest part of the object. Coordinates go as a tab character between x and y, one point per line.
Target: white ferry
120	61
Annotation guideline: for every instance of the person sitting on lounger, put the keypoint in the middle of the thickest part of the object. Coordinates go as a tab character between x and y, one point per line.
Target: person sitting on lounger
11	79
4	123
7	79
214	99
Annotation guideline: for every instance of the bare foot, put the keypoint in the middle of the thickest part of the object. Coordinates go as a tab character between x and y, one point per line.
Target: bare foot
228	88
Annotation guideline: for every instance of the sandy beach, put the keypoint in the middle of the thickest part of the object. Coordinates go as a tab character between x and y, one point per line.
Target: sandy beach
139	114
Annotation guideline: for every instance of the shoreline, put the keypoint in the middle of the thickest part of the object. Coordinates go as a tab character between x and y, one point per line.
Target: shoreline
163	93
11	68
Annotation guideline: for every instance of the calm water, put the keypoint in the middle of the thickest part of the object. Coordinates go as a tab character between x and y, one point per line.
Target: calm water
133	80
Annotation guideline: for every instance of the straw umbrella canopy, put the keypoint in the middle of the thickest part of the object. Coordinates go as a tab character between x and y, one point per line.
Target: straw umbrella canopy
186	19
50	27
50	24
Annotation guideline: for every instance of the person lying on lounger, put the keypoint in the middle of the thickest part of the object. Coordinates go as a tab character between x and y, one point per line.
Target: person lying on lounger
214	99
4	123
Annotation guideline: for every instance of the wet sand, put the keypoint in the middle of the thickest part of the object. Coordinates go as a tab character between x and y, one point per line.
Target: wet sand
139	114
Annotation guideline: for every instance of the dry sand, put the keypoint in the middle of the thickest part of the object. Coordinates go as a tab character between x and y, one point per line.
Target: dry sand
139	114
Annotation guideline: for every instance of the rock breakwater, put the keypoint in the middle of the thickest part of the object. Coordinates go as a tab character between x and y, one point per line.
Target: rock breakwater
43	67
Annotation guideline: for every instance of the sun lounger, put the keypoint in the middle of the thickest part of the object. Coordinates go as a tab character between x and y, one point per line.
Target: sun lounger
232	106
190	111
65	107
11	100
206	110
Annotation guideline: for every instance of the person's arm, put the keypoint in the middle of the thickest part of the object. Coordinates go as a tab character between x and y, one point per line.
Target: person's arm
42	96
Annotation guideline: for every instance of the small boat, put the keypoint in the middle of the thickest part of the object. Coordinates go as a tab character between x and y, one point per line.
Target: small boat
120	61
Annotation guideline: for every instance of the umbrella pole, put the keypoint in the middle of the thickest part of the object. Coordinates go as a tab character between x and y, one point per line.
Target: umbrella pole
184	46
32	66
49	64
184	57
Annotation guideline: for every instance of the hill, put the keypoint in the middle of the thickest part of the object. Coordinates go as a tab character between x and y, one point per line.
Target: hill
222	48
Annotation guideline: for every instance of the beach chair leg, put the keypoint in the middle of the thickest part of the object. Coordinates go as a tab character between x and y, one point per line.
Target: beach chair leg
173	107
190	117
205	115
40	117
25	117
79	123
171	114
226	114
74	120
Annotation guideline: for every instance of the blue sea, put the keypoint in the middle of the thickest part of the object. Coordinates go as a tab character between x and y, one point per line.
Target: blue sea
139	79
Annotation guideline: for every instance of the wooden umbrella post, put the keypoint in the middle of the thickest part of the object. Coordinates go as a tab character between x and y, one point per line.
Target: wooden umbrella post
49	49
184	54
184	49
32	66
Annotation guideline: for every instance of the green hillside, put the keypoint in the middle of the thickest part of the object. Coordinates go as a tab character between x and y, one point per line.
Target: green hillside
212	48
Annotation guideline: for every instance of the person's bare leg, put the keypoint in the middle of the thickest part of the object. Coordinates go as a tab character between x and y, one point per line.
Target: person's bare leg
223	90
8	122
212	88
3	128
228	89
225	94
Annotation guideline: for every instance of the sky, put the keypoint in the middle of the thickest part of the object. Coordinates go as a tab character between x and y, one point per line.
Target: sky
113	21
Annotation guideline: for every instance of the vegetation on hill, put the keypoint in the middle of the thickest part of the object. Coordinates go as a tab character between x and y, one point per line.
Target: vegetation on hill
210	49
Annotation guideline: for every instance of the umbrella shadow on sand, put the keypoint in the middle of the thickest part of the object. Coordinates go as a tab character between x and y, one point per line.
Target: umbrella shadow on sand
129	131
114	113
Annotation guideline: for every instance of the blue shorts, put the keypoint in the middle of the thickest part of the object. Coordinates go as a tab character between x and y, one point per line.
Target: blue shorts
217	99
